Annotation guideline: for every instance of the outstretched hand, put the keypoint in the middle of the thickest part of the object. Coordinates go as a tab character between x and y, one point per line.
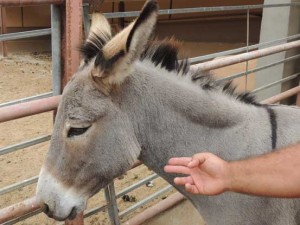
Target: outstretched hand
207	173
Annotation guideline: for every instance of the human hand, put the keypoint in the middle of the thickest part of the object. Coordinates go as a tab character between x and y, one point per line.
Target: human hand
207	173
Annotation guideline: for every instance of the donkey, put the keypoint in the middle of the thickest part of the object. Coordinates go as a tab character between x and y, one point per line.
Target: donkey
133	99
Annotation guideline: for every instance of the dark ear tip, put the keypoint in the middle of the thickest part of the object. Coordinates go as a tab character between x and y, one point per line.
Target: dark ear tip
152	5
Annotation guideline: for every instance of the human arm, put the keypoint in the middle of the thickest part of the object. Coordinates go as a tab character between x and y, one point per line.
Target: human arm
275	174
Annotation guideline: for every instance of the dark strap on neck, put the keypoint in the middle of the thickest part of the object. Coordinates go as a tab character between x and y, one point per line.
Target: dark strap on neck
273	122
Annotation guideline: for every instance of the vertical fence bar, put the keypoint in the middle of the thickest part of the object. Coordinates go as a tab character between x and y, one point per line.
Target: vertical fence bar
3	29
56	48
72	38
247	62
86	19
112	206
298	98
121	20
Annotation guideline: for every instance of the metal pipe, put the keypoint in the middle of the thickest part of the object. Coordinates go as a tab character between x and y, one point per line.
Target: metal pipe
15	147
28	108
72	38
230	60
18	209
154	210
298	99
29	2
94	211
234	76
18	185
282	96
25	34
200	10
24	217
86	20
243	49
3	29
56	49
112	205
27	99
276	83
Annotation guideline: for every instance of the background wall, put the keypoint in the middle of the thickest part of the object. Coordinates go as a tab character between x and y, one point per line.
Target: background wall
213	27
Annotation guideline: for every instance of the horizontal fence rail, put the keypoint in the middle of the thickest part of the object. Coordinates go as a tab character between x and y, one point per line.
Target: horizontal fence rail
244	49
28	108
230	60
27	99
18	185
29	2
200	10
13	148
234	76
25	34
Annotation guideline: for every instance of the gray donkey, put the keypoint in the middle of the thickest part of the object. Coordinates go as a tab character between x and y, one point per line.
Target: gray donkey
133	99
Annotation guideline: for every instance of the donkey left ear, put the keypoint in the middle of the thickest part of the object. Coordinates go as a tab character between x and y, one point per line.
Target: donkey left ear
113	64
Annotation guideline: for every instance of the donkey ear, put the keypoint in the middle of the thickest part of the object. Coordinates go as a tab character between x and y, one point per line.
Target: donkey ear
113	64
99	35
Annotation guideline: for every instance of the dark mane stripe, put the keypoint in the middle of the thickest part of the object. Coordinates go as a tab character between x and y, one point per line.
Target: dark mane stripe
165	55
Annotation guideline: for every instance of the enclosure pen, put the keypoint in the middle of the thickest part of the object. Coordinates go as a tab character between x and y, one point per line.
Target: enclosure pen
72	21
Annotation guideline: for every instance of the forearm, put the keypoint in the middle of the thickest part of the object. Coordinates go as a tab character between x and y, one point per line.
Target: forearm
275	174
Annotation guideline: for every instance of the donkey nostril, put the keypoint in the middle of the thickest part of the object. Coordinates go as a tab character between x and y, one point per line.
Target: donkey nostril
46	208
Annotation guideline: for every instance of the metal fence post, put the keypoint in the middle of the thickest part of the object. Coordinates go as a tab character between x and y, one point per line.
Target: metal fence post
111	202
71	38
3	29
86	19
56	48
298	98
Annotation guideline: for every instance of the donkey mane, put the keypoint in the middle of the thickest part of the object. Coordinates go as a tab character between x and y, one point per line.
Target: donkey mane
165	54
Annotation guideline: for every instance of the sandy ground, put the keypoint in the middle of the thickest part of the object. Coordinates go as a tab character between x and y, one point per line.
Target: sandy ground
23	75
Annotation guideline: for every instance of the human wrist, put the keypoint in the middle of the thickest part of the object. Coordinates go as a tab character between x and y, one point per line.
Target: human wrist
230	176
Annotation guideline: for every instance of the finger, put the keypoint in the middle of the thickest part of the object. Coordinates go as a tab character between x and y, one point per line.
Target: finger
192	188
197	160
180	161
183	180
177	169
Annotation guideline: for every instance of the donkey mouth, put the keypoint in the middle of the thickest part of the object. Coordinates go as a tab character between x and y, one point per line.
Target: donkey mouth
52	215
72	214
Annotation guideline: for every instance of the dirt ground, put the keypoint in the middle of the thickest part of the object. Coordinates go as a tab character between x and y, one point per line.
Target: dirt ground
23	75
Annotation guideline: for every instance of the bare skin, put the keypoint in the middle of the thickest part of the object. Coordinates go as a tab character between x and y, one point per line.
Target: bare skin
276	174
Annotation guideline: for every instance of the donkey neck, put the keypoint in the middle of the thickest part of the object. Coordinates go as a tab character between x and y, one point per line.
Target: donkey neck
167	112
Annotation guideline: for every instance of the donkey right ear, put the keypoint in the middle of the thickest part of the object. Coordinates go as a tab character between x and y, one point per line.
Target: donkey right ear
114	63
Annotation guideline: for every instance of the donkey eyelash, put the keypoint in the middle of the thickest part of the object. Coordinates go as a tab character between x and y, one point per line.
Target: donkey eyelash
74	131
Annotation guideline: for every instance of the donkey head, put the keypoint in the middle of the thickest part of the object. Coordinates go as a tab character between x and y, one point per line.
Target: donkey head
93	141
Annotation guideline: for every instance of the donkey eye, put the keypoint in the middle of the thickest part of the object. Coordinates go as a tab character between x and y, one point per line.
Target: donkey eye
77	131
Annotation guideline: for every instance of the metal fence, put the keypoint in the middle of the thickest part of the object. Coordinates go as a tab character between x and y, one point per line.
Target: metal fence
44	103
